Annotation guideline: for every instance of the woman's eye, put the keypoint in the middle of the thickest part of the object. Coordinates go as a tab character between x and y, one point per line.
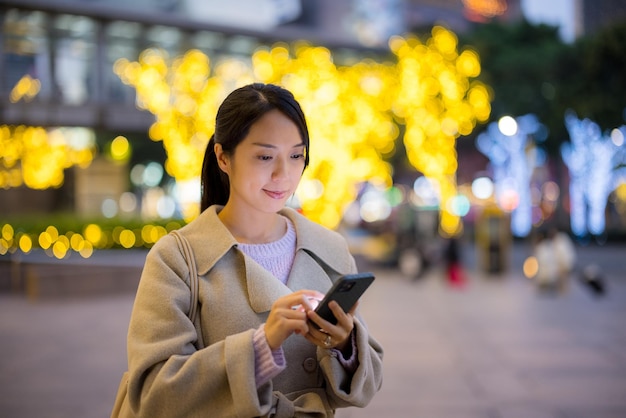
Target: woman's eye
297	156
265	157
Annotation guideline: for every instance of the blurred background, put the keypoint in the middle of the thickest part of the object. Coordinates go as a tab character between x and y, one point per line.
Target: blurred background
487	120
456	133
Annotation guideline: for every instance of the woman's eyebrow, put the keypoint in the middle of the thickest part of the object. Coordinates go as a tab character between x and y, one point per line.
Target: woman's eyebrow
264	145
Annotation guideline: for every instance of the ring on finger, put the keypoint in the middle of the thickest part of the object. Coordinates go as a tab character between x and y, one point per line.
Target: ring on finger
328	341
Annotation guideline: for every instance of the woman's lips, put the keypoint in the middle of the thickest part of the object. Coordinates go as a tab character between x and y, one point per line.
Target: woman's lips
275	195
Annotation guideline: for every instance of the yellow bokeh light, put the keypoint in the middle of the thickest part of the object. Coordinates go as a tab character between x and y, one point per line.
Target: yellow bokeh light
468	63
531	267
26	88
45	241
120	149
87	250
59	245
352	112
64	240
59	249
53	233
7	232
4	246
620	192
77	242
152	233
38	157
146	233
428	101
444	41
93	234
127	238
25	244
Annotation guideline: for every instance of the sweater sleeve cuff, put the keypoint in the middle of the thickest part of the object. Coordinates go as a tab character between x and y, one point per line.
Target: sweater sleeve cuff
349	364
267	363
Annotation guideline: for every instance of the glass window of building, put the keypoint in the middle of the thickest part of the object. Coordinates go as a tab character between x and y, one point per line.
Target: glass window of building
25	66
122	41
208	42
75	68
166	38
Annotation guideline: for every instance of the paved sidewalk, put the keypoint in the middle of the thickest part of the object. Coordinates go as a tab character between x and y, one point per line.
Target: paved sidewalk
496	349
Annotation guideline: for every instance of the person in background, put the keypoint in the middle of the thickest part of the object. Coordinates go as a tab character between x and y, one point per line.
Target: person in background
564	254
454	268
262	268
547	273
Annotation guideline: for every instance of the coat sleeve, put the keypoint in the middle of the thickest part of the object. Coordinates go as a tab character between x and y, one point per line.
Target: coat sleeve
354	389
346	389
169	377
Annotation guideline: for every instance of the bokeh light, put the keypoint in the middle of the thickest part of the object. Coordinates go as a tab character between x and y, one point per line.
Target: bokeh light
36	157
510	145
530	267
353	112
26	88
507	125
438	103
595	161
120	149
482	188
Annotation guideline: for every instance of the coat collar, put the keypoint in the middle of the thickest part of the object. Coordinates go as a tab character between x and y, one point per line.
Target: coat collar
209	238
212	241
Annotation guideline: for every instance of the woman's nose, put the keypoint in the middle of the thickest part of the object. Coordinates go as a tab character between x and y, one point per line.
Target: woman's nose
280	170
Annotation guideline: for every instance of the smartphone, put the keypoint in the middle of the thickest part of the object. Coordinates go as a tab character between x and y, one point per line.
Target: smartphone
346	291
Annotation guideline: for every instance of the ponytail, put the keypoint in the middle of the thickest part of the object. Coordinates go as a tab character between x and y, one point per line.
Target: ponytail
215	185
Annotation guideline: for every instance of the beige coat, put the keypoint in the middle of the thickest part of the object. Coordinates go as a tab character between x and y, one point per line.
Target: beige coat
169	377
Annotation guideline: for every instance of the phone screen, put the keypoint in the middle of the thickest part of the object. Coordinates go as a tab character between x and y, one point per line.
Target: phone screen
346	291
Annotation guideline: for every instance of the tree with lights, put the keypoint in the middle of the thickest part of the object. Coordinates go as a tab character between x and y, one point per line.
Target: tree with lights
596	164
351	110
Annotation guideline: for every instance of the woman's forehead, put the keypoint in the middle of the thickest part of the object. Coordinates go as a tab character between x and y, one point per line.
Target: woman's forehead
272	129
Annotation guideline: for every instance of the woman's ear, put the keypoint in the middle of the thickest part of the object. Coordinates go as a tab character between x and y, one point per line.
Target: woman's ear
222	158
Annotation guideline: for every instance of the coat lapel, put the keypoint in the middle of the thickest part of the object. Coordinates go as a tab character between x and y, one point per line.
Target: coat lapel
263	287
306	273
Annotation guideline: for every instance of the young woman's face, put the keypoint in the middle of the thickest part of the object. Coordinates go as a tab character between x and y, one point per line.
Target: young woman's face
267	165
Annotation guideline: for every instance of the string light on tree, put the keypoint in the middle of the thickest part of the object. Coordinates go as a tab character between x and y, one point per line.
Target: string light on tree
596	164
512	159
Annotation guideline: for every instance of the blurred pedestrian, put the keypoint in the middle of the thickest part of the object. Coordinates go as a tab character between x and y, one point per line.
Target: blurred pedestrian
547	272
261	267
564	254
454	268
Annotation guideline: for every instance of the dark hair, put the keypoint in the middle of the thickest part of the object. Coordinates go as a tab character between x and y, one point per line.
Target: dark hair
239	111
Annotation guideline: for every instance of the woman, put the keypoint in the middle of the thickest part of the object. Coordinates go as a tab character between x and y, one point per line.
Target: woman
262	267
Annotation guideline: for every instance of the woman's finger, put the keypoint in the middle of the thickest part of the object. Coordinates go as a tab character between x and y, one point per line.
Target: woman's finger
304	300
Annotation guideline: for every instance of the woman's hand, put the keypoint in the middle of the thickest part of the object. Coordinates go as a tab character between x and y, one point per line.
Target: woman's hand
332	336
289	315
